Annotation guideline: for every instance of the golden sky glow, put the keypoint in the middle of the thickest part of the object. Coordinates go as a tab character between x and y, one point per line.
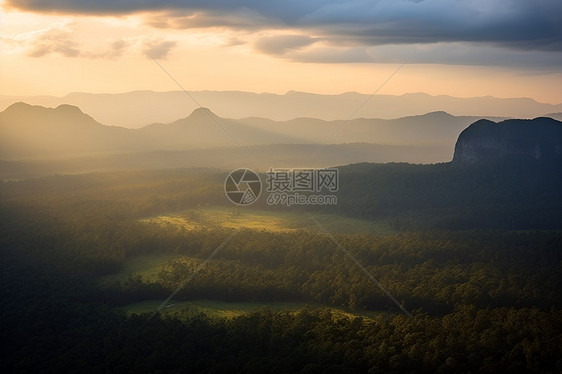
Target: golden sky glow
55	53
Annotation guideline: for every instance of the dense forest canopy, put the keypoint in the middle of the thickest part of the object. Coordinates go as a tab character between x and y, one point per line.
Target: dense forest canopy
484	297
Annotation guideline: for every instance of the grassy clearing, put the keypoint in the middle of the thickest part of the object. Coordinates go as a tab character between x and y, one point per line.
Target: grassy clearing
221	309
265	220
147	266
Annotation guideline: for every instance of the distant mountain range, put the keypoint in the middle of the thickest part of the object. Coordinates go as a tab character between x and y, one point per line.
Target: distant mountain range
37	132
141	108
35	140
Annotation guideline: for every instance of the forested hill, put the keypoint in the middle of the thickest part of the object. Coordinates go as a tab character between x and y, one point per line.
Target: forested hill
504	194
539	139
504	175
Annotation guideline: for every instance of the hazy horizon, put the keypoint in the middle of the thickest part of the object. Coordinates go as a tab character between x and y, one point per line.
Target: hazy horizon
138	109
4	96
509	49
271	92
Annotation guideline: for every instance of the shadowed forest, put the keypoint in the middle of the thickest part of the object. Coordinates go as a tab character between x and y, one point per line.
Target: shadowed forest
86	258
242	186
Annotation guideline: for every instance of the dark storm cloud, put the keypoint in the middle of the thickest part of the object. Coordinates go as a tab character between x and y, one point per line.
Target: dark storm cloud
240	19
518	24
468	54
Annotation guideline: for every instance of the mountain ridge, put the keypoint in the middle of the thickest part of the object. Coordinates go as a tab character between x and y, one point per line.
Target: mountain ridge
31	131
140	108
484	141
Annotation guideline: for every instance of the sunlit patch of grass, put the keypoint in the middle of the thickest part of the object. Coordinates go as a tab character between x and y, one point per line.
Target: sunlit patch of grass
253	219
176	221
228	310
266	220
147	266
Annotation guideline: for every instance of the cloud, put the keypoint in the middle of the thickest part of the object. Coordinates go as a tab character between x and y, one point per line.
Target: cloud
335	55
518	24
60	39
470	32
117	48
54	41
456	53
286	10
281	44
158	49
237	19
233	42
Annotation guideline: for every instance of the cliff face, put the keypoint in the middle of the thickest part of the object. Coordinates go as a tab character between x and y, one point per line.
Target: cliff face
539	139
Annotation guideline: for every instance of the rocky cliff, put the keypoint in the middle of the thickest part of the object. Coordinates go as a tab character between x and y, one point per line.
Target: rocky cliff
539	139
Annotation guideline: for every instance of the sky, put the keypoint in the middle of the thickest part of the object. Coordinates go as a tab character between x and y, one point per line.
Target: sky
465	48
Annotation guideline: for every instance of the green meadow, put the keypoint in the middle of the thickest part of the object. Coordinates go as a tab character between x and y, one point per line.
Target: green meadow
235	217
149	266
221	309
